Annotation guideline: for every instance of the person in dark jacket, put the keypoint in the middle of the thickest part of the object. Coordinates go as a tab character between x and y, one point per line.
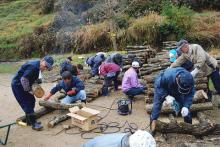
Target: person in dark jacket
177	83
115	58
73	87
94	62
67	66
21	85
110	72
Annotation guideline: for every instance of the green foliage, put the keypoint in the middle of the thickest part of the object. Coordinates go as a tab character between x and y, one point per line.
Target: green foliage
8	67
122	21
178	20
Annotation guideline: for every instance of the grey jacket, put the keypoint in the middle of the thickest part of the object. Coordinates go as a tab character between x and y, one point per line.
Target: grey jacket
201	59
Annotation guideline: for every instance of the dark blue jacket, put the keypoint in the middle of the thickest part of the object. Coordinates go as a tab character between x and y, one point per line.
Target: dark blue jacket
94	63
66	66
165	84
115	58
75	83
30	70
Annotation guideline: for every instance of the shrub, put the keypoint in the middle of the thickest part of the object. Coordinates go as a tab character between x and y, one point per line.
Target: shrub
47	6
92	37
145	29
178	21
122	21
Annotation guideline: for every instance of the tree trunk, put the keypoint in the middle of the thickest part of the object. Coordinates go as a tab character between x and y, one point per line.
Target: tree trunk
57	120
194	108
58	106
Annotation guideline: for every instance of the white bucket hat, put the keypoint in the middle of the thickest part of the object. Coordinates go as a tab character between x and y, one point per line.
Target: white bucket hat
142	139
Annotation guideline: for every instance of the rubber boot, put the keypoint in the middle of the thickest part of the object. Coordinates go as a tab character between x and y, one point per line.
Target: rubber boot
35	125
83	101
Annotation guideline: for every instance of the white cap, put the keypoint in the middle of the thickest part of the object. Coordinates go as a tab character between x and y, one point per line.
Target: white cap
142	139
135	64
99	53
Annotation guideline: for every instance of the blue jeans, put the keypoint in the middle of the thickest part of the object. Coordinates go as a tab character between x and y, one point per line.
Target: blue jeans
81	95
215	76
136	91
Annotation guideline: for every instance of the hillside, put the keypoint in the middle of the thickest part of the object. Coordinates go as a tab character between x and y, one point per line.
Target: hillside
32	28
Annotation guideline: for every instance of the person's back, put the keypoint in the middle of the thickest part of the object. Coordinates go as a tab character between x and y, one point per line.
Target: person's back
106	68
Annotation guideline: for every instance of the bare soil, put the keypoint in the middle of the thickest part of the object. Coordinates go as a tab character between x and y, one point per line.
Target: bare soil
26	137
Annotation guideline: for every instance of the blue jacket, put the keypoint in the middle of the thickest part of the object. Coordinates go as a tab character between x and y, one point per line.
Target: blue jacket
110	140
115	58
165	84
94	63
30	70
75	83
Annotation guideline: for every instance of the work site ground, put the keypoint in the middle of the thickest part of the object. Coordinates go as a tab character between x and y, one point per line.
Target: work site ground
57	137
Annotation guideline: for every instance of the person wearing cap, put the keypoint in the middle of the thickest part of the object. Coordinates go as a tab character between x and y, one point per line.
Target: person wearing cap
22	83
174	54
202	62
110	72
138	139
73	87
130	83
177	83
94	62
115	58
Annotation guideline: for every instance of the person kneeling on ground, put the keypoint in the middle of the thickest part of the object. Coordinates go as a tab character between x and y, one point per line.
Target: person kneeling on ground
22	83
94	62
73	87
138	139
110	72
178	84
130	83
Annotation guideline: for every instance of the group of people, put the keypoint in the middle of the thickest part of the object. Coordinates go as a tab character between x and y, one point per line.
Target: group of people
174	85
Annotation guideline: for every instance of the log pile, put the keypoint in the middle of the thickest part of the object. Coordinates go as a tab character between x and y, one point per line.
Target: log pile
218	60
142	53
169	45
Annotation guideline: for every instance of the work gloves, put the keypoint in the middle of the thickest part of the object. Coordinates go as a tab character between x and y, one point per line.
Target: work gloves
184	111
194	72
72	92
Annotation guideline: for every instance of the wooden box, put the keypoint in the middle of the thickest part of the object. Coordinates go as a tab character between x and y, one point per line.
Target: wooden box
85	118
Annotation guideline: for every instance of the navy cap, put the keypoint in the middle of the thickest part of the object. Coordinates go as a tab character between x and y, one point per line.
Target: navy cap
49	61
181	43
185	82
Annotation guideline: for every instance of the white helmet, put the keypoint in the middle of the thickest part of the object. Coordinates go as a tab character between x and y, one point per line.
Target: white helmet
135	64
142	139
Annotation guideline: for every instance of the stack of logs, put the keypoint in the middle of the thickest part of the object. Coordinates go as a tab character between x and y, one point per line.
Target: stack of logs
160	62
218	60
169	45
141	53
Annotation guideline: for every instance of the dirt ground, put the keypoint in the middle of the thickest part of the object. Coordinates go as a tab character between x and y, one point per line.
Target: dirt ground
26	137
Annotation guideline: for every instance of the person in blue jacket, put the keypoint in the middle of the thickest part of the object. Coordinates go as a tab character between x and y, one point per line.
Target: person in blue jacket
115	58
94	62
177	83
73	87
22	83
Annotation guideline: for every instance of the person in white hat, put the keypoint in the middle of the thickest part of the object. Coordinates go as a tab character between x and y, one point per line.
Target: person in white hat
130	83
138	139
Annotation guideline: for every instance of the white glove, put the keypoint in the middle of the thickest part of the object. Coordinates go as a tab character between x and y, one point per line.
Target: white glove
194	72
169	100
184	111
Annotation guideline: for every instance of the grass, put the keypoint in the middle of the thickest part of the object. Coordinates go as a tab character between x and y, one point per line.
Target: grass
18	18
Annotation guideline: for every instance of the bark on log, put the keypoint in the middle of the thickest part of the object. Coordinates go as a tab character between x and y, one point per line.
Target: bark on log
201	86
39	113
194	108
58	106
57	120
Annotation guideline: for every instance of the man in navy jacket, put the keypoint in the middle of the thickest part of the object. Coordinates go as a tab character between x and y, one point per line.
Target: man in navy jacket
73	87
175	82
21	85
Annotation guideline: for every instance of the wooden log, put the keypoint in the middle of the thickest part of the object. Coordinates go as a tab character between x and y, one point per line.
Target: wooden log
58	106
39	113
194	108
201	86
57	120
172	119
199	129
